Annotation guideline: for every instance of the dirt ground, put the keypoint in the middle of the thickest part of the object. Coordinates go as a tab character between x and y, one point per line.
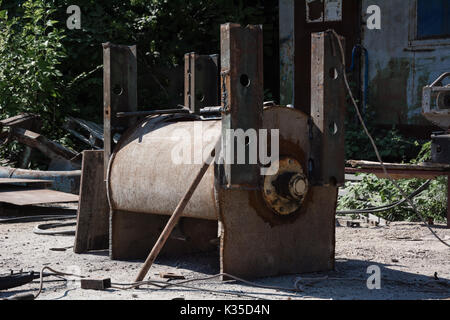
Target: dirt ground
407	254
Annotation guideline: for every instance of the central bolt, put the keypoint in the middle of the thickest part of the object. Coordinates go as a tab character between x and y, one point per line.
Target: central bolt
297	186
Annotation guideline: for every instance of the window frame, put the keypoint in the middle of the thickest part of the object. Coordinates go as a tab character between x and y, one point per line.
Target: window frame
419	44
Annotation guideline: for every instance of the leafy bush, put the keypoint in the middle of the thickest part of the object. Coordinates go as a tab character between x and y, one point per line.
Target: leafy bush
30	81
30	54
374	192
54	72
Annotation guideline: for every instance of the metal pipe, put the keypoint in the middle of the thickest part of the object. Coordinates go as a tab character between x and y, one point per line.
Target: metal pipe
64	181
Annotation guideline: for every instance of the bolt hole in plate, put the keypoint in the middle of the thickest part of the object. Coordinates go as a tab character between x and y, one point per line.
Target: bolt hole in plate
118	90
284	192
245	80
200	96
333	128
334	74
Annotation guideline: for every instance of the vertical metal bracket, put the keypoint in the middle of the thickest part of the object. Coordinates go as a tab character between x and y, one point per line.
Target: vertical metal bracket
242	99
119	91
328	105
201	81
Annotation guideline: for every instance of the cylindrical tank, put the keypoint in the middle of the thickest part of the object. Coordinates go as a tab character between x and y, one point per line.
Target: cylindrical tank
155	163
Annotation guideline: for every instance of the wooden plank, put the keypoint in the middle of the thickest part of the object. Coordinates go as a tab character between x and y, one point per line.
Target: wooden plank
93	209
24	196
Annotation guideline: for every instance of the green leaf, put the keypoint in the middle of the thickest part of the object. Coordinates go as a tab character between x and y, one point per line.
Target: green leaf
3	14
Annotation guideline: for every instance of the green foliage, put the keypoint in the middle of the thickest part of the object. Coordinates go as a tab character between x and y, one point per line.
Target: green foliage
54	72
374	192
393	146
30	53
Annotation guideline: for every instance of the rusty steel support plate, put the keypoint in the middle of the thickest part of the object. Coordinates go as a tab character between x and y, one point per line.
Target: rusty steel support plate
92	231
201	81
255	242
133	235
327	160
119	91
242	87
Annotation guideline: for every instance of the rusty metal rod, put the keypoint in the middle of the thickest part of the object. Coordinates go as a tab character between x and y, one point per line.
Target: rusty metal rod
150	113
175	217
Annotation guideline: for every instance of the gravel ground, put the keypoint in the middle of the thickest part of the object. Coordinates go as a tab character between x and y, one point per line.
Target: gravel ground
408	255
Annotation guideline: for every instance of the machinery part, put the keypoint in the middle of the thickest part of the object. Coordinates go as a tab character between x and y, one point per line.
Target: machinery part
119	92
328	103
443	100
438	114
175	217
242	98
156	159
201	81
285	191
159	157
440	148
274	244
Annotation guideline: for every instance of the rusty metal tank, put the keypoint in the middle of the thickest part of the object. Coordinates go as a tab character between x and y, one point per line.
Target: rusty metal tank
155	163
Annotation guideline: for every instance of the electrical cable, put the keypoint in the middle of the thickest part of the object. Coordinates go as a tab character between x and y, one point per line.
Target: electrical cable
390	206
164	285
42	229
161	285
58	273
372	141
252	284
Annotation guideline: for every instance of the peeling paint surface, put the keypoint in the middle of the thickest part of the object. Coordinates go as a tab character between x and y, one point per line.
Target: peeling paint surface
400	65
333	10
